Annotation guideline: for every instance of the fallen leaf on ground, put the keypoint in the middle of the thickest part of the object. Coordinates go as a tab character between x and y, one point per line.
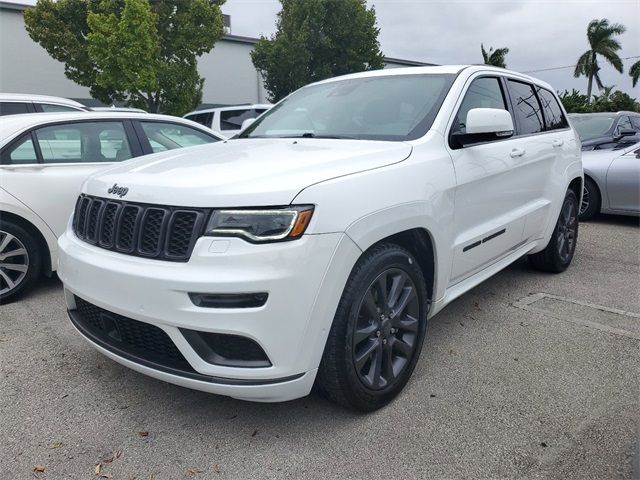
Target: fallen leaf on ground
255	432
38	468
143	434
55	445
106	475
118	453
216	468
98	469
192	472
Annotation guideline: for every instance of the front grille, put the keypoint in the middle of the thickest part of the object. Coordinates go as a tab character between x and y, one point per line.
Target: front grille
131	337
153	231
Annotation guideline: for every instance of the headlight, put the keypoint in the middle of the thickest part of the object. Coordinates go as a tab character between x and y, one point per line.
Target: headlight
263	225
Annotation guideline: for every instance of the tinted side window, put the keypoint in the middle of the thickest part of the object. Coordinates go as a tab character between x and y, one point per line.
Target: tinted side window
624	123
20	153
483	92
635	122
527	108
232	119
49	107
201	118
12	108
167	136
84	142
553	115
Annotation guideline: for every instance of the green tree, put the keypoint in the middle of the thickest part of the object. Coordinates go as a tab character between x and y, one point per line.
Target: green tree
634	72
141	52
601	42
317	39
574	101
494	57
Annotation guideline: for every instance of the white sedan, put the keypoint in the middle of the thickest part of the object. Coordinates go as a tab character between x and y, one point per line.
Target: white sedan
44	159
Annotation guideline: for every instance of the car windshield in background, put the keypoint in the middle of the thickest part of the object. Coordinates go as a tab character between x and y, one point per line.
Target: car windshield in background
394	107
592	126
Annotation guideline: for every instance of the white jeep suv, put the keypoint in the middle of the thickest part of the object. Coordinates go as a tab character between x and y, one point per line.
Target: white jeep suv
315	247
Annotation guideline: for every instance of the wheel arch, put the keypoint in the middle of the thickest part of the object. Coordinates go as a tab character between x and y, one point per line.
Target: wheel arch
419	242
37	234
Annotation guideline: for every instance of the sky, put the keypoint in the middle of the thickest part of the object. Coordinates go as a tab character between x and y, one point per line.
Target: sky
540	34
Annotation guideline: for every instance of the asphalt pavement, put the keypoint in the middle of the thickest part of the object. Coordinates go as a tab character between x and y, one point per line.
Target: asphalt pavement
529	375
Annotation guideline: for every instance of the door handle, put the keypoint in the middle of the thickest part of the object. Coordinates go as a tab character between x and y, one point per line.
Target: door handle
517	152
558	142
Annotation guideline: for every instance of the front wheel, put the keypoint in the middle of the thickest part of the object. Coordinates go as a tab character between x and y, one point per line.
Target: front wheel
557	256
377	332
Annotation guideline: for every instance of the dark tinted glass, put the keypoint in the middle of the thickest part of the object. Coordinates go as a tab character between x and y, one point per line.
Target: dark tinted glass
232	119
553	115
201	118
527	108
482	93
12	108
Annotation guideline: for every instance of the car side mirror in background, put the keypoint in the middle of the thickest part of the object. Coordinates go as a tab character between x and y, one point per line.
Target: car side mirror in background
246	123
626	132
484	125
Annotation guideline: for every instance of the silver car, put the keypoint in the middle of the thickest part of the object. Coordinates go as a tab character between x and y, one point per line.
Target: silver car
611	181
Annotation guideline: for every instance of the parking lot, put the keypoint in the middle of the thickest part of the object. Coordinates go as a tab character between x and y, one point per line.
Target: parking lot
511	383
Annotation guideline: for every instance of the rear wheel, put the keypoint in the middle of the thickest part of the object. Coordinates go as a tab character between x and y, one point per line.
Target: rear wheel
591	199
557	256
377	332
20	261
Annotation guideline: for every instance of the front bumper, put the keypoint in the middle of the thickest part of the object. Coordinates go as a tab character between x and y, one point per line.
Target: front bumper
303	278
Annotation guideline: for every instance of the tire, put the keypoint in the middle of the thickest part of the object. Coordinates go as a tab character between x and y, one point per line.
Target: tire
21	268
591	199
362	323
557	255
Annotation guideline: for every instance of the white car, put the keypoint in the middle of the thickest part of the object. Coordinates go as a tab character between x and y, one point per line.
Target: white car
17	103
315	246
44	158
228	120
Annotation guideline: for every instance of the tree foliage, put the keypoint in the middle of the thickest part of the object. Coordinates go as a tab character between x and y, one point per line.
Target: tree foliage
634	72
317	39
496	57
608	101
600	35
141	52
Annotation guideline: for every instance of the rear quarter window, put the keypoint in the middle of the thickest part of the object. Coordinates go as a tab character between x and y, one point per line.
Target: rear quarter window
553	115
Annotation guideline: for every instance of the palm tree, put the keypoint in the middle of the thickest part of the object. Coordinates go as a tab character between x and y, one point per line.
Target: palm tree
600	35
494	57
634	71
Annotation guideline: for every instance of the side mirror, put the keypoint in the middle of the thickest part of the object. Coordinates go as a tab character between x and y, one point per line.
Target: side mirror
246	123
484	125
626	132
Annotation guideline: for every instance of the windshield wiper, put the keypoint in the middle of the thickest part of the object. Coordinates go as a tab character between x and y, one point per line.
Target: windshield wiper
339	137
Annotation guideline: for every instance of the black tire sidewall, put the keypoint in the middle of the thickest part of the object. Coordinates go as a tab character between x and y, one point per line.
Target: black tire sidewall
373	265
594	200
35	259
561	266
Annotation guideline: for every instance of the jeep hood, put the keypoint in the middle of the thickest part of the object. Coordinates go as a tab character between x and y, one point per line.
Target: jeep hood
241	173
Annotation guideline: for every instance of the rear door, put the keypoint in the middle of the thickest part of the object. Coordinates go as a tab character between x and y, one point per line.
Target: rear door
46	167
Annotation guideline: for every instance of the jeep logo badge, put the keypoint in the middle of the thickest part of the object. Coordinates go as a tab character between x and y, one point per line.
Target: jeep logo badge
116	190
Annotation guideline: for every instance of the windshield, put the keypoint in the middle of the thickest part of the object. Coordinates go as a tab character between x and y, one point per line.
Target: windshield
394	107
592	126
